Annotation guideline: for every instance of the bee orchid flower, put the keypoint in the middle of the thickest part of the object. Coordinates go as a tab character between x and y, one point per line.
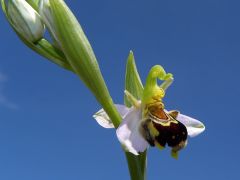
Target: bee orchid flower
147	122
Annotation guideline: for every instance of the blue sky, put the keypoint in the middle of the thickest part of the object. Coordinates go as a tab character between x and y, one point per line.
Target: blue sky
46	125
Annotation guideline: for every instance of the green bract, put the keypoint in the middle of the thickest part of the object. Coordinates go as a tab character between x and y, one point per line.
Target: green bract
133	85
79	53
133	82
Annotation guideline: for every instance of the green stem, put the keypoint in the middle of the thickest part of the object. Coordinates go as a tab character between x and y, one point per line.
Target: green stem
143	161
81	58
134	167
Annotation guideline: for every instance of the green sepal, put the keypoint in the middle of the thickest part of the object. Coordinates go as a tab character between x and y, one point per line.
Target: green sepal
133	84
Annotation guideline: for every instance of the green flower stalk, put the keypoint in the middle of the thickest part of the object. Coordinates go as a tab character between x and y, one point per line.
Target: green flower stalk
78	52
73	42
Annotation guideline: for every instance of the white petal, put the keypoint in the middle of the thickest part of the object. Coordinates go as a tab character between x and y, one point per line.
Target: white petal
128	132
103	119
194	127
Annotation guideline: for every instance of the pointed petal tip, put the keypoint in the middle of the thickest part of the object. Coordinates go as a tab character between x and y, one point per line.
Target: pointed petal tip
128	148
195	131
103	119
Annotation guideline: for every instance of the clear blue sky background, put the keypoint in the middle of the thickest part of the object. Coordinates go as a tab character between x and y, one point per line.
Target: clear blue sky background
46	127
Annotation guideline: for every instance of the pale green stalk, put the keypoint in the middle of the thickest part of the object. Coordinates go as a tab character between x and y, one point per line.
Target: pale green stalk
77	56
81	57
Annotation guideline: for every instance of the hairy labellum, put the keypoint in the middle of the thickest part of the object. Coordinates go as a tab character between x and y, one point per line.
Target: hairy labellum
160	128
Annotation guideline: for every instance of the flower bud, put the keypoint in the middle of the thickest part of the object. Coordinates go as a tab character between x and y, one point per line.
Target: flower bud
46	15
80	55
25	20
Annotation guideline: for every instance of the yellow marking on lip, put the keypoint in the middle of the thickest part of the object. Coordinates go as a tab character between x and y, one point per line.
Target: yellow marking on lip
158	145
174	113
163	122
154	132
174	154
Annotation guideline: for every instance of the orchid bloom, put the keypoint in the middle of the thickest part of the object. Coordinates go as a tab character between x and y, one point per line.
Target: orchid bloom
147	122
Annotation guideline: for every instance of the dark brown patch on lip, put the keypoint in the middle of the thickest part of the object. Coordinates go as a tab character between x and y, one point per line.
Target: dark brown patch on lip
172	135
147	133
162	128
